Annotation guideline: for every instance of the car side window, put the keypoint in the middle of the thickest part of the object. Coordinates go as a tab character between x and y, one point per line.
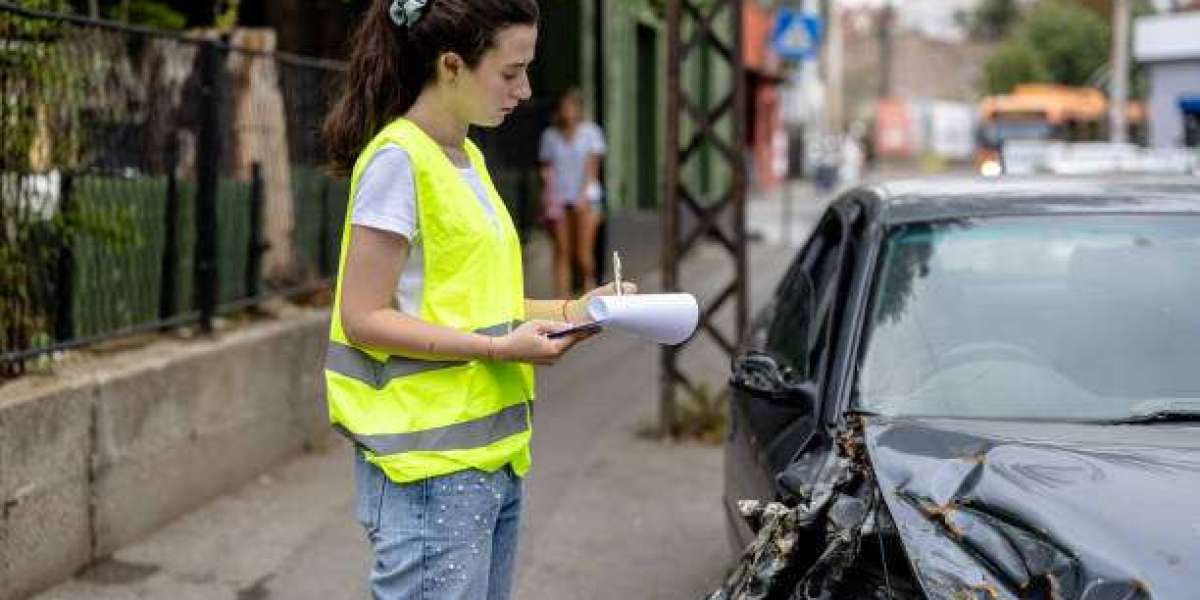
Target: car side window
800	327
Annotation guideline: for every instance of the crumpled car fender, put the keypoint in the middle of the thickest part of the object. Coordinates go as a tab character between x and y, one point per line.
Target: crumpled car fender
1009	519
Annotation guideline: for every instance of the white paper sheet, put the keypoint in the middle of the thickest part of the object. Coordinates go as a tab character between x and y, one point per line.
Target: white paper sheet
668	319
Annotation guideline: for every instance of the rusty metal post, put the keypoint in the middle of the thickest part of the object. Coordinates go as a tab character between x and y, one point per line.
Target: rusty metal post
670	221
713	222
741	185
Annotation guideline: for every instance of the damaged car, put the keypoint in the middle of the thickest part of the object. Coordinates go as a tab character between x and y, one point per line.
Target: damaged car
975	390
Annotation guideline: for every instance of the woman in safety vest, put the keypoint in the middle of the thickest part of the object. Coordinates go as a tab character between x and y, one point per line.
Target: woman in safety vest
431	343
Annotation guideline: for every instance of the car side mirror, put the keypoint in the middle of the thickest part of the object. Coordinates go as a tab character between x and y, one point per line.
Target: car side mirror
760	375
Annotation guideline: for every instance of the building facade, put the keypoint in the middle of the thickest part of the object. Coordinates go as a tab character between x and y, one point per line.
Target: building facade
1169	47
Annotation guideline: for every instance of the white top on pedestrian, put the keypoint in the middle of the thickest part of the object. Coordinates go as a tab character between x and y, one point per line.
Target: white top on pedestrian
568	158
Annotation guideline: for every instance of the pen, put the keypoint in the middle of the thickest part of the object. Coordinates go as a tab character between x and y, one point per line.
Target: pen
617	272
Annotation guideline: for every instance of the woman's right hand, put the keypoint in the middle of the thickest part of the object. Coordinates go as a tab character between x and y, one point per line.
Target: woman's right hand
529	343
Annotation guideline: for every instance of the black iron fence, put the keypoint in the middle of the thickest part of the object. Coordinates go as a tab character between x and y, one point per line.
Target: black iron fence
151	179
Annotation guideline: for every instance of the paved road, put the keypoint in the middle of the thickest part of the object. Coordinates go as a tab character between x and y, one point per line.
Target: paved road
610	512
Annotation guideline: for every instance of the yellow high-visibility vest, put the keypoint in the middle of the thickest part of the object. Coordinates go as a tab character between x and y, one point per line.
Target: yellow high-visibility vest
417	418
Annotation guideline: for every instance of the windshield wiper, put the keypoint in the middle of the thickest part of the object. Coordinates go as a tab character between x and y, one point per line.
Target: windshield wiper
1163	411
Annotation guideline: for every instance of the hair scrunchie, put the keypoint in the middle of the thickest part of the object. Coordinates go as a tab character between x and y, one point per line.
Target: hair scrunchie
406	13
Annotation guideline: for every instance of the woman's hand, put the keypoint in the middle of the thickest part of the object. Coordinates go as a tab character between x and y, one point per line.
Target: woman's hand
577	309
529	343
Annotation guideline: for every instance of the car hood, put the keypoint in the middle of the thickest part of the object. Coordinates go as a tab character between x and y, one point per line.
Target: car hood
994	509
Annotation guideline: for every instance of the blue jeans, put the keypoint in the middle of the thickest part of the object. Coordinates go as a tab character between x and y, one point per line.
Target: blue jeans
451	537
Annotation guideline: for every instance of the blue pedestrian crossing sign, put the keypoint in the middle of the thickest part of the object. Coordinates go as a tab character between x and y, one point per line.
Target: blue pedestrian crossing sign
797	34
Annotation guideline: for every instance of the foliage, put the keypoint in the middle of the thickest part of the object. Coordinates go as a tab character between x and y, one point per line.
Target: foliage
1058	41
701	414
227	14
991	19
45	82
38	98
1013	63
148	13
50	5
20	324
1072	41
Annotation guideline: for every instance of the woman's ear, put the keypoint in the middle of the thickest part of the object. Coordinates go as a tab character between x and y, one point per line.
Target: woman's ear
450	67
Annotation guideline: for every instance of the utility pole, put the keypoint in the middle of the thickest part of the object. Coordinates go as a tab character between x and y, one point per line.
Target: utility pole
834	70
886	17
1119	93
94	9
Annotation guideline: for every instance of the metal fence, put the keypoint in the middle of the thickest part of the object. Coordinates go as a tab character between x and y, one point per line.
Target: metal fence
151	179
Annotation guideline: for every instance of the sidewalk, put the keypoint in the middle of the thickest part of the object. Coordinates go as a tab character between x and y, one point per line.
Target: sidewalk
609	513
785	217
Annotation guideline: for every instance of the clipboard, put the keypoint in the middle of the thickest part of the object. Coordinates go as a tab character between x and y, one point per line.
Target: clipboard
581	328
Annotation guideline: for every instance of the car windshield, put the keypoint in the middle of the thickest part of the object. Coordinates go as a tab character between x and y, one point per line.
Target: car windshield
998	132
1091	317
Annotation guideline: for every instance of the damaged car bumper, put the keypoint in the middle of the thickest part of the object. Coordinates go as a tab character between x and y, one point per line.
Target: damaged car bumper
969	510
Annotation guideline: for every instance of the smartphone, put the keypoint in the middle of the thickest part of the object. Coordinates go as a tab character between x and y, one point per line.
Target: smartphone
584	328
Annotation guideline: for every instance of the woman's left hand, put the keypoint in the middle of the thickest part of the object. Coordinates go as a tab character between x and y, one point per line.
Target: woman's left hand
577	309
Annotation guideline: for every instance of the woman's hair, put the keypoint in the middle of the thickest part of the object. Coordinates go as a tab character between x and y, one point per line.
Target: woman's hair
390	65
571	94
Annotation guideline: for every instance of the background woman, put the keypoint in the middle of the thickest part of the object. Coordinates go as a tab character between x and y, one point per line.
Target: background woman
570	152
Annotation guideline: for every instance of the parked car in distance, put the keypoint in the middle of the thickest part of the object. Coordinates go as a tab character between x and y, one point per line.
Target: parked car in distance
976	388
1028	157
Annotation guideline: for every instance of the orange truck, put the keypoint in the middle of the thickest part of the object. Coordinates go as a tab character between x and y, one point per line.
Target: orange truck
1042	112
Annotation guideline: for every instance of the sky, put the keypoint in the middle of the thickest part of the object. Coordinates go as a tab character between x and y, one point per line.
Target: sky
932	17
936	17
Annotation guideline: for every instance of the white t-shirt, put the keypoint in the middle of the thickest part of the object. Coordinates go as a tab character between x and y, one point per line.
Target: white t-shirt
568	159
386	199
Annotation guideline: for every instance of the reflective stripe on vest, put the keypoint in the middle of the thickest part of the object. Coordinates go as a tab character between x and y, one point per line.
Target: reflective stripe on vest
351	362
459	436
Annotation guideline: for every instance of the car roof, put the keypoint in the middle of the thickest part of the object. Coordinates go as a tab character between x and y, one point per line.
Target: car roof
941	198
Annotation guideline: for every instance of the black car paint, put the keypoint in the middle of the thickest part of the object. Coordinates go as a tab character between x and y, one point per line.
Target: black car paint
959	540
1044	506
769	435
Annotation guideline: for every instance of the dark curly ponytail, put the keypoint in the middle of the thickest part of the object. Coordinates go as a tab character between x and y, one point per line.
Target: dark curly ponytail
390	64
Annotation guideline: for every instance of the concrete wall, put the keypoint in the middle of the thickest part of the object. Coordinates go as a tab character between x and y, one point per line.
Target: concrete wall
110	449
1168	82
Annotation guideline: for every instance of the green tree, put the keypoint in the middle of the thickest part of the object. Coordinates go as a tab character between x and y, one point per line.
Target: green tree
1058	41
226	16
1072	41
44	120
29	65
150	13
991	19
1013	63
